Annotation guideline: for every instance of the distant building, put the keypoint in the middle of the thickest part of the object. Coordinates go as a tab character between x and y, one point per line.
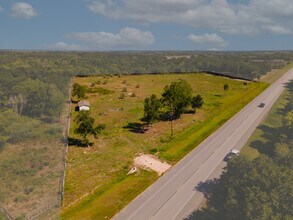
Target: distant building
83	105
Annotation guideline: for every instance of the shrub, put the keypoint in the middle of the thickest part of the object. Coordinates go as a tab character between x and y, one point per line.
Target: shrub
122	96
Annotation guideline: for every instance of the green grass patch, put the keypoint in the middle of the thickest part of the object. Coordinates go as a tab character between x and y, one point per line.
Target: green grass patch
102	168
272	120
2	216
100	90
193	136
112	198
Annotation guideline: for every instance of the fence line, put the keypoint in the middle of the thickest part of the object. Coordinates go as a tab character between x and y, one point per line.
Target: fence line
58	201
63	173
40	211
63	169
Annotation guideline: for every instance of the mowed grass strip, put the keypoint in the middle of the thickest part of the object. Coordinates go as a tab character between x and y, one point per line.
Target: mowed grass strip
92	172
193	136
112	199
272	120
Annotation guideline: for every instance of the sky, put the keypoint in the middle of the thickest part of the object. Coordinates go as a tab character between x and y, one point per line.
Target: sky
102	25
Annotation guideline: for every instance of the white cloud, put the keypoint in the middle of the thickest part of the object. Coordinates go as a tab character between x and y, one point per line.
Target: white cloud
64	46
1	9
207	39
126	38
276	29
23	10
242	17
213	49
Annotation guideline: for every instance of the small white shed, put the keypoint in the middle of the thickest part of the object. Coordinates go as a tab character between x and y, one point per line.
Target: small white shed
83	105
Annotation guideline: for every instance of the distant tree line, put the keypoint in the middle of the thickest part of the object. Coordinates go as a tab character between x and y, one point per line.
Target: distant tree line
247	65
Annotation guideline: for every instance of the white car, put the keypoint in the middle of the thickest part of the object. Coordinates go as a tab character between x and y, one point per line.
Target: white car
234	151
231	154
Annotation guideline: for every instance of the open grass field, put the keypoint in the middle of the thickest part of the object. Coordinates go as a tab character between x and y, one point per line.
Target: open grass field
96	184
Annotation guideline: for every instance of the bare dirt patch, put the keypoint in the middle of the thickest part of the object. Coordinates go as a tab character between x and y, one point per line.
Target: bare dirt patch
147	161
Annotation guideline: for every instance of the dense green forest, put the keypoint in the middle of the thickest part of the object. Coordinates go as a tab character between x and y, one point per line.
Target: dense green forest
241	64
261	188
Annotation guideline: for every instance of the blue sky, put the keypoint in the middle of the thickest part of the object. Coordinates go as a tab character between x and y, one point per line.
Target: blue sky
146	24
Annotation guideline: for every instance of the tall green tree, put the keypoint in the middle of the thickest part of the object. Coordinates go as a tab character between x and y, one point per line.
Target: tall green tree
86	126
151	109
177	97
79	91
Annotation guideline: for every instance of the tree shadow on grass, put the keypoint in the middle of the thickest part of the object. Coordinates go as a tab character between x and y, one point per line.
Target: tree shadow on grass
275	135
272	135
289	105
135	127
289	98
78	143
289	86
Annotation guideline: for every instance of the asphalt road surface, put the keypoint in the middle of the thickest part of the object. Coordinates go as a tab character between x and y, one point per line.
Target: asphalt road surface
175	194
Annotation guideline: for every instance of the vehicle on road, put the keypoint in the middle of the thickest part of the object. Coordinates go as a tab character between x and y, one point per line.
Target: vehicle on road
231	154
261	105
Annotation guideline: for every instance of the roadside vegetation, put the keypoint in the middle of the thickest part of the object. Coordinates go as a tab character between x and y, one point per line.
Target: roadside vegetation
141	124
259	183
275	74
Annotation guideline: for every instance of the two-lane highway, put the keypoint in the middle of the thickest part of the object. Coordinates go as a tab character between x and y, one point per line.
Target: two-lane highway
168	197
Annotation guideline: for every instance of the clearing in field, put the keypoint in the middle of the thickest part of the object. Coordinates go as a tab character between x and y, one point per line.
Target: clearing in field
150	162
96	184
